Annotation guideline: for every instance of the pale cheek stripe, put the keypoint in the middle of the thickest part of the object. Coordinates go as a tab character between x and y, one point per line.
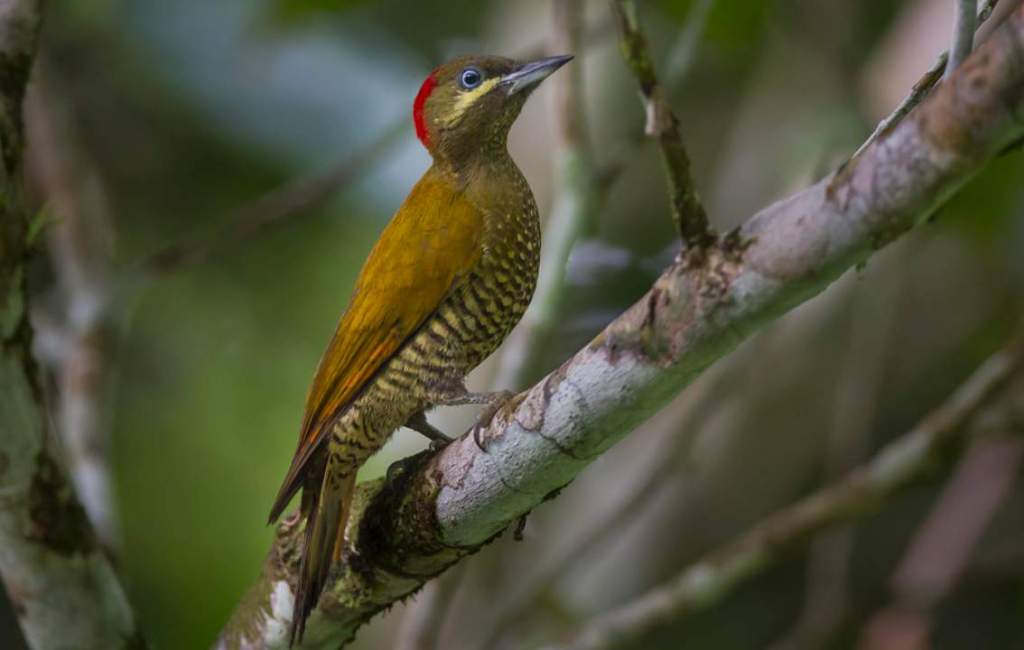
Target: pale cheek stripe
466	99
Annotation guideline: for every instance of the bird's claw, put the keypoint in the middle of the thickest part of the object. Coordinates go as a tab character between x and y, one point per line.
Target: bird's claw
477	430
438	444
501	399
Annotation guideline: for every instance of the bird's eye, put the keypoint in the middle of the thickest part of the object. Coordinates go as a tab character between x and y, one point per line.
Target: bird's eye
470	78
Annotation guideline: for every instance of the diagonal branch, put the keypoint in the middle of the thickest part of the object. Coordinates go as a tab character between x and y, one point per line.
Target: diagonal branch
941	549
441	507
937	440
662	124
923	86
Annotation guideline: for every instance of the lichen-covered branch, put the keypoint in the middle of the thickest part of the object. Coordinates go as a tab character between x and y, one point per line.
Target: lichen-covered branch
443	506
662	124
62	587
936	441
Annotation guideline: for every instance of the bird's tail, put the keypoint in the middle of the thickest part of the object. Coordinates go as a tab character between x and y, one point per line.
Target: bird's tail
325	538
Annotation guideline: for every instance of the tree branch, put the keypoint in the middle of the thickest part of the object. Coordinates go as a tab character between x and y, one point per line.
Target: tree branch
441	507
923	86
687	210
62	587
672	453
937	440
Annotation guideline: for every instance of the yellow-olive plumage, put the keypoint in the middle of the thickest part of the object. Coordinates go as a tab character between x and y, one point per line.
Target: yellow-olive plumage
450	276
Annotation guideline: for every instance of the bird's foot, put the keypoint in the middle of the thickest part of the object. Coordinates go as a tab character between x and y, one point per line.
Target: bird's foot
418	423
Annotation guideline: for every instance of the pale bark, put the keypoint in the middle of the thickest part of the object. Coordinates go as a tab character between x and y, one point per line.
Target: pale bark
63	590
443	506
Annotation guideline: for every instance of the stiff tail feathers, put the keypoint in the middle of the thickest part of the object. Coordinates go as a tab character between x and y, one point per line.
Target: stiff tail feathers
326	518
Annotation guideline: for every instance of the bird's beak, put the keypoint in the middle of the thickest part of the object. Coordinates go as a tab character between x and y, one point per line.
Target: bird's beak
528	75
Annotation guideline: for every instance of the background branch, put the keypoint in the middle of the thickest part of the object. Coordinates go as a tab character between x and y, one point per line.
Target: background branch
63	589
568	555
441	507
81	251
858	396
936	440
940	550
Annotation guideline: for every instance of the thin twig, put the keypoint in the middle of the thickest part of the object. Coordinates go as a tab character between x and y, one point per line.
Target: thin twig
582	196
662	124
897	466
964	25
920	89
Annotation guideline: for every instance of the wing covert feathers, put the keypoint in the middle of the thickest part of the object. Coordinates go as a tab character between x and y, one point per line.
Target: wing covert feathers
428	248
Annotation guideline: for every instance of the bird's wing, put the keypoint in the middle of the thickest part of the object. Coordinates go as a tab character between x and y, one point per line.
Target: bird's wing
430	246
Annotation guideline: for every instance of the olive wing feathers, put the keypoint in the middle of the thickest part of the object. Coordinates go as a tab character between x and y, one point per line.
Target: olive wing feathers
429	247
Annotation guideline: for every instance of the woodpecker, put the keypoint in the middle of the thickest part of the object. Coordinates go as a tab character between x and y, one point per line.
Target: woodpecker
450	276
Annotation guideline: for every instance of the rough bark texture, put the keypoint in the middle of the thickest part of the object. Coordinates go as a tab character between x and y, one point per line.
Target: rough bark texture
62	587
440	508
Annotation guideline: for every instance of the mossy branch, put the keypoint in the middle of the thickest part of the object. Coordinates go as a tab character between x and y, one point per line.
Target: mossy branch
663	125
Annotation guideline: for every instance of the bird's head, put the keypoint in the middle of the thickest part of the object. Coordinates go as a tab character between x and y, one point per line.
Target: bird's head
468	104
